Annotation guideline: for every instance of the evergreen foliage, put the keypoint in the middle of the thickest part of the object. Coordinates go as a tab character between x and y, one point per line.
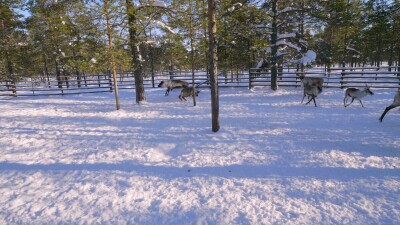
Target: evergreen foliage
68	38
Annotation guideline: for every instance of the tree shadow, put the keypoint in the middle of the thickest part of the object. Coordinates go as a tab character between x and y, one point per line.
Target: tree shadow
232	171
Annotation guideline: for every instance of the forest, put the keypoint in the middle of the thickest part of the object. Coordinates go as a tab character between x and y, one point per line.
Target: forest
75	37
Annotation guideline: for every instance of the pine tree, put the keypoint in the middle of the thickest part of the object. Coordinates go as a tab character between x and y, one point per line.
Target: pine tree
212	29
282	34
12	42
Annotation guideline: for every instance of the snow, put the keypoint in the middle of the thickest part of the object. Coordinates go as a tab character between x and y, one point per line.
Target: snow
162	25
353	49
49	3
308	58
260	63
76	160
287	9
289	44
234	7
286	35
158	4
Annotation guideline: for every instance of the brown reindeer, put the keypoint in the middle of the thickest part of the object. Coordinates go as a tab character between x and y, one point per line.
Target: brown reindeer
312	92
171	84
188	91
311	82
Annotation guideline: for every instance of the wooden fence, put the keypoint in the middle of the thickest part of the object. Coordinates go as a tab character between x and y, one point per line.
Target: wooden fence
373	77
383	77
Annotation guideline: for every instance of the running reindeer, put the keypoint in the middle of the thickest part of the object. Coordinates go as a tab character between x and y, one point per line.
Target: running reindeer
312	87
312	92
171	84
396	103
355	93
188	91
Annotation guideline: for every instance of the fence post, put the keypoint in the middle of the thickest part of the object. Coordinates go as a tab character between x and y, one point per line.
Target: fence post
33	88
152	75
398	75
14	85
250	77
342	79
280	72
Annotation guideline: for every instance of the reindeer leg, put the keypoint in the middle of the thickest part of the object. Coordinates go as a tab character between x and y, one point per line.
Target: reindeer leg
352	100
386	110
361	103
310	100
303	99
314	102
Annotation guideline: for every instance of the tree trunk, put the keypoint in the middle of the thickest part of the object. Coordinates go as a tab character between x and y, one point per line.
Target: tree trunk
206	54
77	73
301	32
391	48
58	74
379	52
212	29
192	51
46	70
136	57
111	52
10	69
274	47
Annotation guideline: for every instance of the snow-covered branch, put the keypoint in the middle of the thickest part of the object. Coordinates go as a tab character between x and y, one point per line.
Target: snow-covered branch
308	58
235	7
261	26
157	3
288	35
162	25
353	50
288	10
49	3
153	3
289	44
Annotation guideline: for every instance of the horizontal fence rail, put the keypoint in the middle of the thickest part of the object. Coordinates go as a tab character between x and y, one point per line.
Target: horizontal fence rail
374	77
333	78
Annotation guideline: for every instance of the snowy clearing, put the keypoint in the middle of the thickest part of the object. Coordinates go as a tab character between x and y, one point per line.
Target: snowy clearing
76	160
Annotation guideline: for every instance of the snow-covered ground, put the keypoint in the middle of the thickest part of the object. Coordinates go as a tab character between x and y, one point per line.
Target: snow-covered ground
76	160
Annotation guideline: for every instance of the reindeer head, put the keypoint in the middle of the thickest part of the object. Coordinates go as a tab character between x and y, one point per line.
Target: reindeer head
161	84
368	91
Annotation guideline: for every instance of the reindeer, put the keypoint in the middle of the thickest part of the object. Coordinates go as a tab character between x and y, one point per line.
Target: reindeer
311	82
396	103
171	84
186	92
355	93
312	92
